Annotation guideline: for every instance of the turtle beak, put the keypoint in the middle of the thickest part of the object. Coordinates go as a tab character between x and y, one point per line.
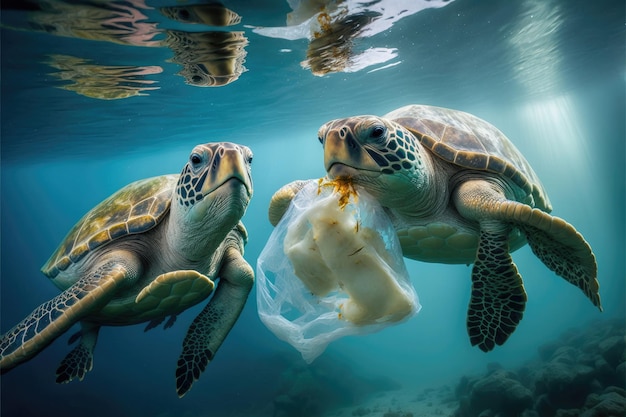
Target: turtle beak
230	163
344	155
215	169
216	183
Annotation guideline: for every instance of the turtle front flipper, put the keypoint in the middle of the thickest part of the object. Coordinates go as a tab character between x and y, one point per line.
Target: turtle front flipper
282	198
209	329
80	360
51	319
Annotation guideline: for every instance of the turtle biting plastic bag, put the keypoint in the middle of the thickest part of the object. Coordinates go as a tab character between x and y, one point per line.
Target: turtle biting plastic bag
332	267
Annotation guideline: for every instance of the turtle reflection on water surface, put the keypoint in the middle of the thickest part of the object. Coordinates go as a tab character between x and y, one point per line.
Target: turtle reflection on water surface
151	250
207	58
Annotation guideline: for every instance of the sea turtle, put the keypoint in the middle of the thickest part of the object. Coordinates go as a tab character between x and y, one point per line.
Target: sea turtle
151	250
457	191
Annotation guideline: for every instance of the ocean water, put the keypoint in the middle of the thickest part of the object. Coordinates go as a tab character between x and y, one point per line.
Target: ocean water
98	94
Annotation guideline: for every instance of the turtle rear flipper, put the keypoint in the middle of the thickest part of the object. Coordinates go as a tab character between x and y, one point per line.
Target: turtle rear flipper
53	318
80	360
173	289
560	247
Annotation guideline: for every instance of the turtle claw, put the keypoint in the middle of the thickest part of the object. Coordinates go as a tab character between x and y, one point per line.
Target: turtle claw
170	322
154	323
73	338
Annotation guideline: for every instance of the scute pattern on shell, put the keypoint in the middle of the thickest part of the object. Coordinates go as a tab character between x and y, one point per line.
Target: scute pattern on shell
136	208
465	140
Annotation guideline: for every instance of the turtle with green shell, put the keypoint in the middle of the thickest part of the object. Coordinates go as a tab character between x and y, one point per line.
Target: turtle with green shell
149	251
457	191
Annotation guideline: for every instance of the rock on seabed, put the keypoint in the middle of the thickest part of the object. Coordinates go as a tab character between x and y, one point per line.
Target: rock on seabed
581	374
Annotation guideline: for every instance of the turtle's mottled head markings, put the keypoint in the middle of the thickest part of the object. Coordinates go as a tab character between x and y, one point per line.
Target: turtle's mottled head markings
376	153
209	167
369	143
212	194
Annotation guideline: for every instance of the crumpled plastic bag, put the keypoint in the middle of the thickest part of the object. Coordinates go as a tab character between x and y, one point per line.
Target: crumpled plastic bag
332	267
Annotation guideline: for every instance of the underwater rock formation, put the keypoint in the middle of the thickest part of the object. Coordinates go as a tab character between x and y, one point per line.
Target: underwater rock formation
329	383
582	374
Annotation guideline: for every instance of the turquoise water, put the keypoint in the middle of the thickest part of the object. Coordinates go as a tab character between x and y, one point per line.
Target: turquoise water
549	74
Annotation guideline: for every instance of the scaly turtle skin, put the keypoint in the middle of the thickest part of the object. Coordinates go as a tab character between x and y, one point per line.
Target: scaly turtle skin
151	250
457	191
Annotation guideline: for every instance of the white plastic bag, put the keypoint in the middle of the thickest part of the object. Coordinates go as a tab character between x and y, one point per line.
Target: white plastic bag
332	267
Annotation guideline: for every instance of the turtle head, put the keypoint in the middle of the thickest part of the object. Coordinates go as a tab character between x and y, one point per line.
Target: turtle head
213	191
377	154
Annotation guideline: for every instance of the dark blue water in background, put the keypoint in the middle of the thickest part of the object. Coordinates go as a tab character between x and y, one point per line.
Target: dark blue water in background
549	74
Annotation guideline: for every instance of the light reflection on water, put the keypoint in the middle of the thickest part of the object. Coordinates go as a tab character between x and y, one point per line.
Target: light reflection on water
535	46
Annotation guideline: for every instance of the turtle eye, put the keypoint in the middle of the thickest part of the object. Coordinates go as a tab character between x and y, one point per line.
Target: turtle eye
321	134
378	132
195	159
183	14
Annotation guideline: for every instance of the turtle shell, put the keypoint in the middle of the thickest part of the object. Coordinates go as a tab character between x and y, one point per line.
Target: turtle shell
467	141
136	208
